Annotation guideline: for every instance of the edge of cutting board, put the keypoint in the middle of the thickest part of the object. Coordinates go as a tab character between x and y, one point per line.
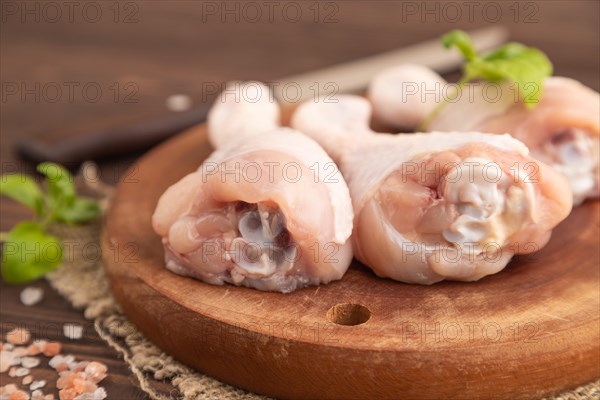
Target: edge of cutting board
528	331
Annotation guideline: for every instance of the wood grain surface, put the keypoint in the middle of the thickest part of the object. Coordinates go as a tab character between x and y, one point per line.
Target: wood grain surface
173	47
529	330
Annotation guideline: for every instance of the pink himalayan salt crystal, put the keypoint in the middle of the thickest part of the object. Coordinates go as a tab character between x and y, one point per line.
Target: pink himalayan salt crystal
67	381
80	366
67	394
37	395
61	383
99	394
62	367
95	371
79	383
18	395
61	363
20	351
35	348
37	384
8	389
30	362
7	360
57	359
84	386
51	349
12	372
18	336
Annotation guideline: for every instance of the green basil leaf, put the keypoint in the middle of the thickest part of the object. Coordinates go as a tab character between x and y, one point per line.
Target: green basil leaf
23	189
462	41
29	253
527	67
506	52
80	211
60	182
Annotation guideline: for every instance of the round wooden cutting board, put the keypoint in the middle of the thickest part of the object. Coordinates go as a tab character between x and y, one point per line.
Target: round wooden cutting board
530	330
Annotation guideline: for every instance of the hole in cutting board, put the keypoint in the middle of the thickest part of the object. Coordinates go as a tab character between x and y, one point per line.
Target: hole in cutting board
348	314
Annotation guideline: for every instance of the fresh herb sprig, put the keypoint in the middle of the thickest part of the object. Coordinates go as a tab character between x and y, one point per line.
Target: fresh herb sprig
29	250
526	67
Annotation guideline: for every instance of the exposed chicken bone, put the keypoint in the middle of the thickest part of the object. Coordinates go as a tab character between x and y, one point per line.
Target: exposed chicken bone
259	251
485	213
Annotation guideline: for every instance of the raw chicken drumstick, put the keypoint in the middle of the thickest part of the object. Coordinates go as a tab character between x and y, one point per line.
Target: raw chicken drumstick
562	130
435	206
268	209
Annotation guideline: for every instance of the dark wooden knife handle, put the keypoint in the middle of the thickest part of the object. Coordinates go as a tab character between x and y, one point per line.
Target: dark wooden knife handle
73	146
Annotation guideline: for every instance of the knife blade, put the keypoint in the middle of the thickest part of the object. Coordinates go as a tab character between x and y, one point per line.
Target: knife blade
142	132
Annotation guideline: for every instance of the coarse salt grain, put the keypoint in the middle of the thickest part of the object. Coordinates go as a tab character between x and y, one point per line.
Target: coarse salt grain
95	371
54	361
37	395
18	395
59	360
73	331
7	360
67	394
61	368
18	336
37	384
77	379
178	102
33	350
80	366
86	396
84	386
51	348
20	351
31	295
30	362
37	346
98	394
8	389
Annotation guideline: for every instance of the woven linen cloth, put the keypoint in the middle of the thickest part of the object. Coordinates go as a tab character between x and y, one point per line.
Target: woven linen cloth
83	282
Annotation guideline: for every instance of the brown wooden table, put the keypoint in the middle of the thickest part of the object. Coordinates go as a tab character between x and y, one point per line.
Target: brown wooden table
63	65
